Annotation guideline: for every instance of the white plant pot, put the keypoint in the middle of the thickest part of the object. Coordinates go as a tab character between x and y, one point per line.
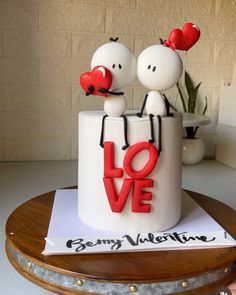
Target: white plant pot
193	151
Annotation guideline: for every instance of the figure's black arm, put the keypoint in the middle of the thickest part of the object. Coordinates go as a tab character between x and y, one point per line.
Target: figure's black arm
143	106
167	106
104	90
90	90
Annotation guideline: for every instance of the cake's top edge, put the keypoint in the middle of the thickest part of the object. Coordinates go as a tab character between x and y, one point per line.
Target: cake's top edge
131	115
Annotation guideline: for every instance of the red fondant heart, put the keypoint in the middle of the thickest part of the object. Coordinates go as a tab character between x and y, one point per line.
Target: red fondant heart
93	81
184	39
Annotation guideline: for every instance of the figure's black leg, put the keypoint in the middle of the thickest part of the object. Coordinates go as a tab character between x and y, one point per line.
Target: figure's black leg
159	135
143	106
125	132
102	131
152	140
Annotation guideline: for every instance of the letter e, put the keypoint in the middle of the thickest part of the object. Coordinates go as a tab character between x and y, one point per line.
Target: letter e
139	195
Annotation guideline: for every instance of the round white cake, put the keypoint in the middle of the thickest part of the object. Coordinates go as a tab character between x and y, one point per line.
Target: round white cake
159	190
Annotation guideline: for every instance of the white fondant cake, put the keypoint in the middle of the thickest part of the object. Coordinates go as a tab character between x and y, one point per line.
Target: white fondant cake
165	201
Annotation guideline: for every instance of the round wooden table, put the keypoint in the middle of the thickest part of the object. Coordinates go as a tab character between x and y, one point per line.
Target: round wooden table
197	271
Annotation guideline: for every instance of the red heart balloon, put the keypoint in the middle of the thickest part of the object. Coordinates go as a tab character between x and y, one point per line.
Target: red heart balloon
184	39
99	77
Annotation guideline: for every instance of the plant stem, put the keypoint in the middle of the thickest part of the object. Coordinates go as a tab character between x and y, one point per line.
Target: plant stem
205	109
195	131
190	132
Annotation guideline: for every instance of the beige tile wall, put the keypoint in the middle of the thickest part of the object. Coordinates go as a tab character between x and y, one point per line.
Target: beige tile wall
45	44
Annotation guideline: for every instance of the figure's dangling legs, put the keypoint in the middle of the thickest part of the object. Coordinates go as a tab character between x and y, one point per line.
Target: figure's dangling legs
125	132
152	139
159	135
102	131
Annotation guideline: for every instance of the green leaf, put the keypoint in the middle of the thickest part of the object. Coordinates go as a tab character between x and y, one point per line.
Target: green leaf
181	97
188	82
206	105
192	101
173	107
192	93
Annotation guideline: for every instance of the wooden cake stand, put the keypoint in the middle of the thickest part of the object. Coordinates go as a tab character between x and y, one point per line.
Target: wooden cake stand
198	271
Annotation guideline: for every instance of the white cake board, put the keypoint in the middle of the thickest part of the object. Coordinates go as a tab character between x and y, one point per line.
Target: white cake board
68	235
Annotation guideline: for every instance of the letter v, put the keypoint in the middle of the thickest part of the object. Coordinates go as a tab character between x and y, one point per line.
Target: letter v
117	202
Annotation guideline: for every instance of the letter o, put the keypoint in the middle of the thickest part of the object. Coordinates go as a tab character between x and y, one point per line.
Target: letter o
148	167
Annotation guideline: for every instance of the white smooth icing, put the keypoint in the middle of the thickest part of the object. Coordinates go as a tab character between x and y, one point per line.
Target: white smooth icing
93	205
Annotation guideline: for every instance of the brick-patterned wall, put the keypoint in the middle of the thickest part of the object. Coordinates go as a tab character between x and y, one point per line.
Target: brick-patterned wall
45	44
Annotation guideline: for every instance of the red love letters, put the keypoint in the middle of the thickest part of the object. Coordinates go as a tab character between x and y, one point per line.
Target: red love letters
137	179
99	77
183	39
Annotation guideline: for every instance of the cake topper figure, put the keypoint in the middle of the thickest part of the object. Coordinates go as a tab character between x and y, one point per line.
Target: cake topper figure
117	60
159	67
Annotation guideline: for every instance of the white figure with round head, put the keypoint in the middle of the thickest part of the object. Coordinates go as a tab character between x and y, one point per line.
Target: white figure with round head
121	62
158	69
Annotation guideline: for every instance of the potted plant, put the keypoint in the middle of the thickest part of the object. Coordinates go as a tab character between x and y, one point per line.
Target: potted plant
193	147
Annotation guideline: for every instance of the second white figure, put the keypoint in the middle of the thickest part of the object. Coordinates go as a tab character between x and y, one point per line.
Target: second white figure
158	69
